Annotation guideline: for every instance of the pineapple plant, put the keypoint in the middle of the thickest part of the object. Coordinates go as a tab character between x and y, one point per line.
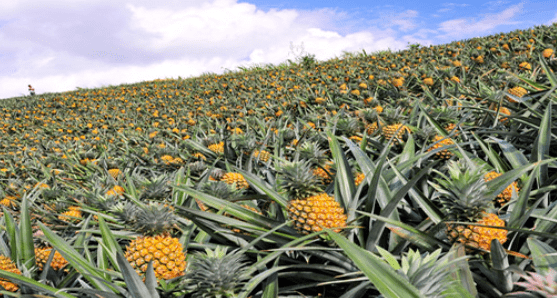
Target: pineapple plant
7	264
463	196
155	221
217	273
309	208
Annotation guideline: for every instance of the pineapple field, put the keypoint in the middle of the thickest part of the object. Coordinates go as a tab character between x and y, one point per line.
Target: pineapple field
427	172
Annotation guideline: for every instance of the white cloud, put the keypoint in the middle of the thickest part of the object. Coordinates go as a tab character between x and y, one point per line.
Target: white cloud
466	27
62	44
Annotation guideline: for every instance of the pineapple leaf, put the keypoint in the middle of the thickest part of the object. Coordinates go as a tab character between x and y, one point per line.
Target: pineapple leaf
543	255
380	274
134	285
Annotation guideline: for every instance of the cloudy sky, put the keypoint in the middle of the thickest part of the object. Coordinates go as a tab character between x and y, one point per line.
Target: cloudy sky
59	45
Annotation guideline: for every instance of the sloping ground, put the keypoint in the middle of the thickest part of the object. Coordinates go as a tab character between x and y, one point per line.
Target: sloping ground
445	149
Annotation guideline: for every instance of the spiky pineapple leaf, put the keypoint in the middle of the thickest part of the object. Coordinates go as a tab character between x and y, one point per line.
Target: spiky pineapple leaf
500	261
543	255
11	229
134	284
26	244
109	243
378	227
344	177
33	284
83	266
382	276
540	148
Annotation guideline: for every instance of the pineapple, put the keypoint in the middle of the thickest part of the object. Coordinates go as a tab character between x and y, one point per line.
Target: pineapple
440	142
308	207
518	92
156	244
236	179
506	194
397	131
262	155
7	264
117	190
324	173
359	178
218	148
463	196
42	254
114	172
547	53
73	214
9	202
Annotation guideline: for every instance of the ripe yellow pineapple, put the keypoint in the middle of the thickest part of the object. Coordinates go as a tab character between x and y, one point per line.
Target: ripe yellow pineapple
440	142
359	178
117	190
114	172
464	197
397	131
42	254
547	53
217	148
309	208
235	178
8	265
506	194
156	244
9	202
262	155
518	92
72	215
324	173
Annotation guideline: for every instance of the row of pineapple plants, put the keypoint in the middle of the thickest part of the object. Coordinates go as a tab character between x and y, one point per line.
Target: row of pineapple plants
433	164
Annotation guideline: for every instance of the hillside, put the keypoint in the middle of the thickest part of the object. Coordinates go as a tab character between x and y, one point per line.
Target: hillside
429	171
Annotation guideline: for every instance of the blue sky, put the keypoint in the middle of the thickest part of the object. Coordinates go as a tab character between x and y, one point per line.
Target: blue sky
58	45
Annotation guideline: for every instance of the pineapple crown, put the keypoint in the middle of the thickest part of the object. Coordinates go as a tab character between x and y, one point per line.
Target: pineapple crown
125	211
216	273
222	190
156	188
464	193
296	178
154	219
311	151
428	272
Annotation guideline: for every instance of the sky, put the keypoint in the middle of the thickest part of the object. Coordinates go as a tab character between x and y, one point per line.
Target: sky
62	45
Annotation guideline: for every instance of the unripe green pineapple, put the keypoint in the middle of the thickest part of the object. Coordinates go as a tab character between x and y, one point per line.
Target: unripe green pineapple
464	197
157	244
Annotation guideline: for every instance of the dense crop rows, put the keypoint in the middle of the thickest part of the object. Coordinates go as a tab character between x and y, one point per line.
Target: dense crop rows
421	173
